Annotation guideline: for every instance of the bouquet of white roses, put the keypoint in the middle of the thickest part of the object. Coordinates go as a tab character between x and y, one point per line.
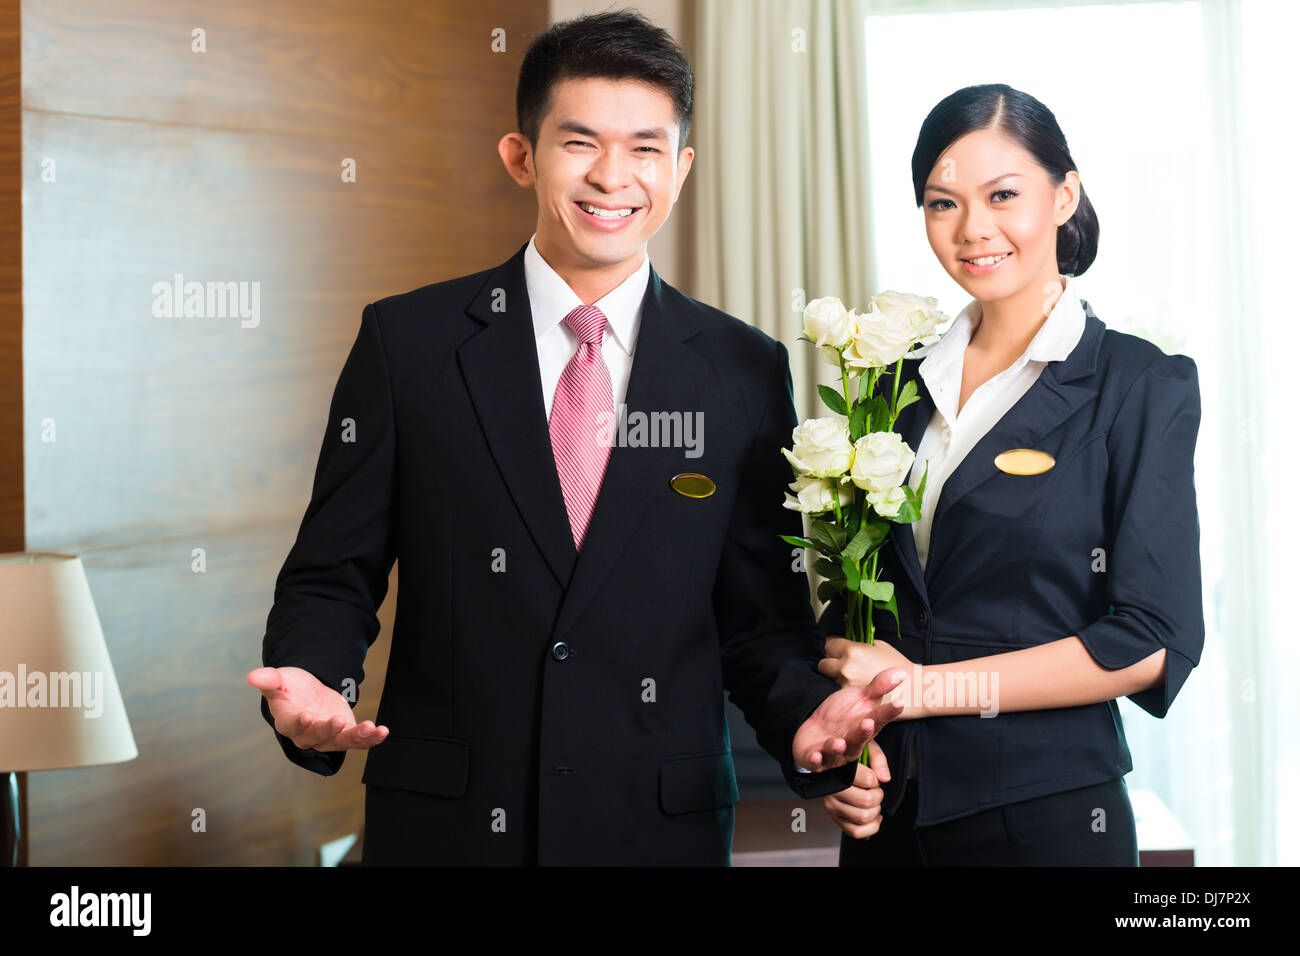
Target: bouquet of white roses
849	468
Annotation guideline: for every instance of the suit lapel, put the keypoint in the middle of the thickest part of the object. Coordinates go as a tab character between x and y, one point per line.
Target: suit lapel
502	374
911	424
1046	404
504	378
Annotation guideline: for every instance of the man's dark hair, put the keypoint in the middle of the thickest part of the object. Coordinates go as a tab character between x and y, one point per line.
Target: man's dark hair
616	45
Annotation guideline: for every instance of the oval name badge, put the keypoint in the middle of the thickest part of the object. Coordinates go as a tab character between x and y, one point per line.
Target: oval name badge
692	485
1024	461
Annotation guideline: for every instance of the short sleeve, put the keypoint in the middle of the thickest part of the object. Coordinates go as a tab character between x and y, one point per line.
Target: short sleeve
1153	561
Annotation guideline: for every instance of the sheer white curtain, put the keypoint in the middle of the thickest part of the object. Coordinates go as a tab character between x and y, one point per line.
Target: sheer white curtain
781	181
1180	118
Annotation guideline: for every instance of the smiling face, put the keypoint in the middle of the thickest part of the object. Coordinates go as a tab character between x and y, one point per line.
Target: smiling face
606	171
987	197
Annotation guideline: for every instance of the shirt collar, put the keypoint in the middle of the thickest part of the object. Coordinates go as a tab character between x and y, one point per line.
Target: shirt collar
1054	341
551	299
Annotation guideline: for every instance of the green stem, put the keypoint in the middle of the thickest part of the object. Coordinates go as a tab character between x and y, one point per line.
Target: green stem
865	759
871	619
844	378
893	404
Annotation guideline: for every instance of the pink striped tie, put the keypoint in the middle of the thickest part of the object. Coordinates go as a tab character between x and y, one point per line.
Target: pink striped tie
583	408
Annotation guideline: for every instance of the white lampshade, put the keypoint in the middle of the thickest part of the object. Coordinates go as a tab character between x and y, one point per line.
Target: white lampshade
60	706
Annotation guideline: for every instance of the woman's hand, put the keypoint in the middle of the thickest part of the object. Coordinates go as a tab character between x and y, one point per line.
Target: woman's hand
857	809
853	663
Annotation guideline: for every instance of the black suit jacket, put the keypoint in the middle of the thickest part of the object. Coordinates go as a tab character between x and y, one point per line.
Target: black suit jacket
1103	545
546	707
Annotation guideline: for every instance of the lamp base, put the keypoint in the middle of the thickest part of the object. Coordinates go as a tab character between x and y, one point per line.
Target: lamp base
10	812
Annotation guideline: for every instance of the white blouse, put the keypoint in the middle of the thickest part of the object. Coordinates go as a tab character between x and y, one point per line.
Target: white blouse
950	436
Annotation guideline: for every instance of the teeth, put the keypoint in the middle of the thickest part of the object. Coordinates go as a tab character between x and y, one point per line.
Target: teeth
987	260
607	213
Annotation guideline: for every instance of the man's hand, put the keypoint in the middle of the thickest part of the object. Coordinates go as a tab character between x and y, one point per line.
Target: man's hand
857	809
841	726
310	714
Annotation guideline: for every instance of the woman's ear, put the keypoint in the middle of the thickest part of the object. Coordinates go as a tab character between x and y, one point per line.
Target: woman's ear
1068	195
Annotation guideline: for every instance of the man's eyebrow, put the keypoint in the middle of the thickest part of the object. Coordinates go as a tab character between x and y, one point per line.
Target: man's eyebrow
573	126
940	189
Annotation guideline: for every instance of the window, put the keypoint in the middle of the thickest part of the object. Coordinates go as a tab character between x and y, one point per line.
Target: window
1180	117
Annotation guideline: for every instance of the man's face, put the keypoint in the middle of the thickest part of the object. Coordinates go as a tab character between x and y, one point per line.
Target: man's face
605	168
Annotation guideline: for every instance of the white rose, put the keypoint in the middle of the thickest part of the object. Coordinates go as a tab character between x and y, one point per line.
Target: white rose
813	495
880	461
888	502
821	447
827	322
895	322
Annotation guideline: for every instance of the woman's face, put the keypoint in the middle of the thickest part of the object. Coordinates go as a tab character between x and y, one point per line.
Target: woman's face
987	197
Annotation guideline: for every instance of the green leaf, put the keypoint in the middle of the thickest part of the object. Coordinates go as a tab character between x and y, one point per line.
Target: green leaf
878	590
908	512
827	590
852	576
880	414
859	420
833	399
830	536
907	395
797	541
920	490
831	570
856	548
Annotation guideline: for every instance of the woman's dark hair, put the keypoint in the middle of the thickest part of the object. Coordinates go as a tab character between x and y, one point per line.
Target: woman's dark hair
616	45
1022	118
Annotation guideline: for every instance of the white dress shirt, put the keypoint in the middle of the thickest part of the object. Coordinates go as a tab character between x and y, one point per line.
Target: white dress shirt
551	299
950	436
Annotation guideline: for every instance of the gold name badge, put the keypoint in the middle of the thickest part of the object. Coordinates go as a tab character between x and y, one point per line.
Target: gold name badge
692	485
1024	461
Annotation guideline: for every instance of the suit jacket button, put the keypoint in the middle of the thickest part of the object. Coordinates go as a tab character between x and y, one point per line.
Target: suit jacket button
560	651
920	618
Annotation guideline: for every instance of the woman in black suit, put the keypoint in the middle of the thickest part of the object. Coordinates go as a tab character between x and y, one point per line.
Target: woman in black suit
1029	598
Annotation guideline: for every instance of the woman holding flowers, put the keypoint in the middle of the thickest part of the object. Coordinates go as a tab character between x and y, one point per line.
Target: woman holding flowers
1052	564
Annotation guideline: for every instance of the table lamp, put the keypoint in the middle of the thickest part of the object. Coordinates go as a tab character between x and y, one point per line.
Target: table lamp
60	706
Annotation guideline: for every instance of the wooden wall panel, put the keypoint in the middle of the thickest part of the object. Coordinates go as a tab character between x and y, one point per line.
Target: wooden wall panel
181	643
11	306
179	433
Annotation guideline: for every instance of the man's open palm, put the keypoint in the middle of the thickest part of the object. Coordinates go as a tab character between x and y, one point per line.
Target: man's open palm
841	726
310	714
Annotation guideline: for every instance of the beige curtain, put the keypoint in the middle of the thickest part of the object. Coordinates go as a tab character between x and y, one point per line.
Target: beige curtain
781	168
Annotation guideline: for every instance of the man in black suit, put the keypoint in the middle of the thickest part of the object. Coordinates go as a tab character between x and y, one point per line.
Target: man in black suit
570	612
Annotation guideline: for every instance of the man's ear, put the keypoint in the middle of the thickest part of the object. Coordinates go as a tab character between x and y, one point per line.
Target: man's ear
517	156
684	159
